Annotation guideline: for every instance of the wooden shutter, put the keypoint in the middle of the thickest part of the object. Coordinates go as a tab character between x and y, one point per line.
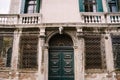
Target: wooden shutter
99	6
118	5
23	6
38	6
81	6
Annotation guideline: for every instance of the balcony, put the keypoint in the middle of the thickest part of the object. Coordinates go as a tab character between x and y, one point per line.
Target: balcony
86	18
100	17
13	19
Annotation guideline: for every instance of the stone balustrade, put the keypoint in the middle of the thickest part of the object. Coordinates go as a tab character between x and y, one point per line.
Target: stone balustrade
86	17
114	18
30	19
8	19
96	17
12	19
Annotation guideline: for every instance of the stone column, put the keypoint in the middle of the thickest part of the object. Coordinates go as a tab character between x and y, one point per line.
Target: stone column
41	54
15	50
15	53
46	53
79	56
109	53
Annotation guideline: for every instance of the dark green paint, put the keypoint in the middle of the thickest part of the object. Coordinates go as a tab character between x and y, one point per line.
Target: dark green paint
61	64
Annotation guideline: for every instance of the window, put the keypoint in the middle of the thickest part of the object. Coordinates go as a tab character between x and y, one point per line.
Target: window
113	6
28	50
93	52
90	5
6	41
30	6
116	50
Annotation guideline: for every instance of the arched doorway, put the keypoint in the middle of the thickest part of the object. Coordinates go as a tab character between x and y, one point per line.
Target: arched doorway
61	58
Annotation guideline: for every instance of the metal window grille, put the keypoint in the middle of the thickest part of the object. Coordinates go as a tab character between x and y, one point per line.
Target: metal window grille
116	50
28	51
93	58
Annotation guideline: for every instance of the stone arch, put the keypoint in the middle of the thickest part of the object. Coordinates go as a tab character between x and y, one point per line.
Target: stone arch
60	40
54	33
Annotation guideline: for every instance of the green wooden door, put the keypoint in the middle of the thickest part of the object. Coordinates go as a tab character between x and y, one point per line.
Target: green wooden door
61	64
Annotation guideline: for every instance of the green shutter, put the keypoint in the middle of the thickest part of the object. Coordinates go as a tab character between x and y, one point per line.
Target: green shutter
38	6
23	6
81	6
99	6
118	5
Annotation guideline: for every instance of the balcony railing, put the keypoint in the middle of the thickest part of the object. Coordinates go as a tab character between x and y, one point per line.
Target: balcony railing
11	19
90	17
86	17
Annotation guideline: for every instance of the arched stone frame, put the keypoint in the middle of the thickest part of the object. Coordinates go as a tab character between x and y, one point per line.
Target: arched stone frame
78	62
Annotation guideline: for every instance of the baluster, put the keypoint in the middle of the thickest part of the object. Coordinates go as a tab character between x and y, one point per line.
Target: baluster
32	20
115	19
111	17
0	20
85	19
27	20
95	19
92	19
98	19
23	20
39	19
118	18
36	20
89	19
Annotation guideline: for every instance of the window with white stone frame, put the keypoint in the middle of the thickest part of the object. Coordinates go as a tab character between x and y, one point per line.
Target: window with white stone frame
6	41
94	53
28	50
116	50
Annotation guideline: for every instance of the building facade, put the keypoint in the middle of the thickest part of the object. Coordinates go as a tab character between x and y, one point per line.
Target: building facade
60	40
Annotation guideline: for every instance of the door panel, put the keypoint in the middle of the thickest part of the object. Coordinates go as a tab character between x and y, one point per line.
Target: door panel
61	65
